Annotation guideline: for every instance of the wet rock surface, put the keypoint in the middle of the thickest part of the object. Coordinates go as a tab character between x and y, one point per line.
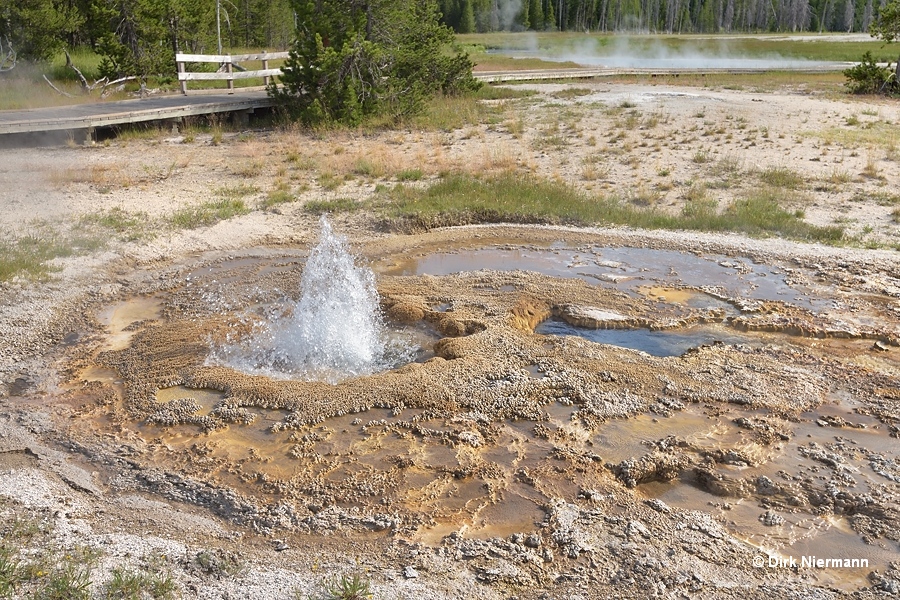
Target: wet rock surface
523	464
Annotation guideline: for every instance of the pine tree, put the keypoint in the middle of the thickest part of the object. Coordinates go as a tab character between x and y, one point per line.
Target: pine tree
536	14
887	28
36	29
355	58
467	19
523	19
141	37
887	25
550	17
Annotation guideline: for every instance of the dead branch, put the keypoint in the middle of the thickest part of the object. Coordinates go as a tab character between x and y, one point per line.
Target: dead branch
7	56
56	89
71	65
121	86
119	80
101	83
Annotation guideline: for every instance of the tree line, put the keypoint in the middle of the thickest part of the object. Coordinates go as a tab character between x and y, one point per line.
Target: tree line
140	37
661	16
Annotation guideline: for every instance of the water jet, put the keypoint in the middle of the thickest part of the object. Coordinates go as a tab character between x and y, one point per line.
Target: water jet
334	331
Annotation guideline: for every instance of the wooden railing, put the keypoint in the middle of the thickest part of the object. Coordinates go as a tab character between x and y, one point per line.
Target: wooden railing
227	70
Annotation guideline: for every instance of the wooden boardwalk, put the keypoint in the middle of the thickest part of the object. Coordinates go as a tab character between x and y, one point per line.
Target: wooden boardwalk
106	114
89	117
601	72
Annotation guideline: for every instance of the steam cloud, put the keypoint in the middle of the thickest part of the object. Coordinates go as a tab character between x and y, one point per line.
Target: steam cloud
624	53
504	13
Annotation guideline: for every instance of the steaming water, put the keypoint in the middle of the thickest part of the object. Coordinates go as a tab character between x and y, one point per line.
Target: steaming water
623	52
333	332
684	62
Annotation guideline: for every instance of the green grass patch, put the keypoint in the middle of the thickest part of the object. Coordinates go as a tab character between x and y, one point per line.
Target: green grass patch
23	89
880	198
699	207
141	132
410	175
137	584
208	213
28	256
877	133
727	171
338	205
839	177
572	92
66	582
762	212
236	192
701	157
12	574
329	181
551	140
282	194
781	177
128	226
501	92
367	168
248	169
767	81
69	577
446	113
300	161
441	113
512	197
125	585
344	587
83	57
499	62
458	199
30	567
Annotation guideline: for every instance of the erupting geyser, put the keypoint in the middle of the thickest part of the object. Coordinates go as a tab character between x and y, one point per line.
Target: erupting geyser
334	331
336	324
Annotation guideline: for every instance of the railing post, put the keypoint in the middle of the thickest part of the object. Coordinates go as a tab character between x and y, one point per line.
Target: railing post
230	79
265	62
183	81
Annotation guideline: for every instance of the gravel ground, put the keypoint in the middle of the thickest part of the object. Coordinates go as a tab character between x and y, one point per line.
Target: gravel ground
83	468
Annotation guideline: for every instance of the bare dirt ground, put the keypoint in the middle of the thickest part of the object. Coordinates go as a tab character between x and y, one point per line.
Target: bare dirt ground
509	464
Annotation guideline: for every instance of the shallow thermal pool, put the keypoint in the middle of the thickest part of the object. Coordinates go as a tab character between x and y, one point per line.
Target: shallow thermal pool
623	268
655	343
484	439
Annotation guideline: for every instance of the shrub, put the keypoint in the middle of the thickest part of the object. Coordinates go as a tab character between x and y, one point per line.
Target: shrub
351	61
868	77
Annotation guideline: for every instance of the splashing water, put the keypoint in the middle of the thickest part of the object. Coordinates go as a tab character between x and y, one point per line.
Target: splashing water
336	324
334	331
